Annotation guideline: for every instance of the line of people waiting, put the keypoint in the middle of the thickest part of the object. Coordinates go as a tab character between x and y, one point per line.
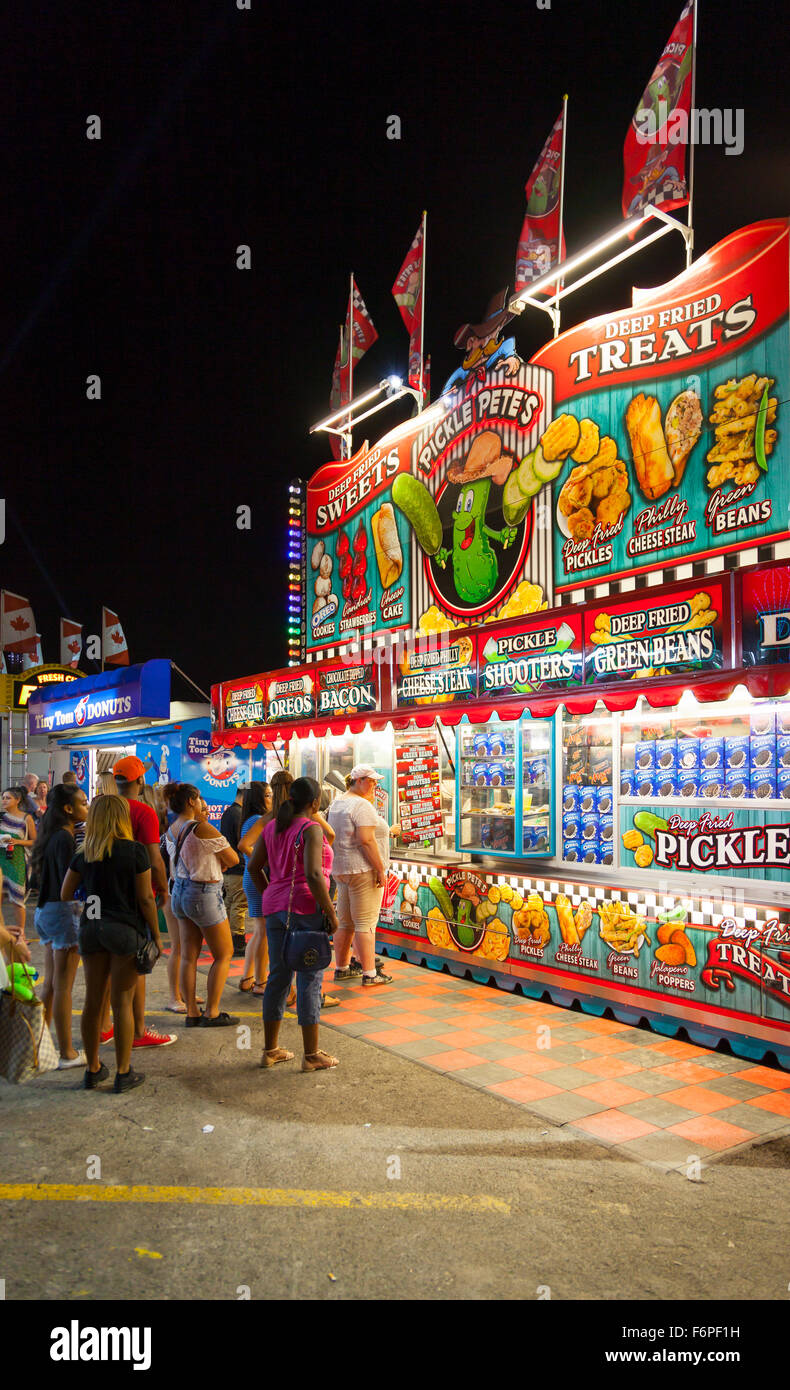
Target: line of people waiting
123	866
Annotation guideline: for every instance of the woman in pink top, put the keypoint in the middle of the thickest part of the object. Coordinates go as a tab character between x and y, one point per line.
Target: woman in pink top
295	857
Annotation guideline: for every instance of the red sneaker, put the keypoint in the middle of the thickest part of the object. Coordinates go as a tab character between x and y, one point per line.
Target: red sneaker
107	1037
153	1038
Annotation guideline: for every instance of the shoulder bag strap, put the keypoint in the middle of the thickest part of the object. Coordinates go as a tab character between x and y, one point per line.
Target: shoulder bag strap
180	842
299	833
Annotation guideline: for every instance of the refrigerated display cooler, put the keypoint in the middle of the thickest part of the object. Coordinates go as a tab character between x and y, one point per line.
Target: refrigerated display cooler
504	789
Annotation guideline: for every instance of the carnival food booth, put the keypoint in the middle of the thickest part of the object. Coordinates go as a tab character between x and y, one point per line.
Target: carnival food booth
554	610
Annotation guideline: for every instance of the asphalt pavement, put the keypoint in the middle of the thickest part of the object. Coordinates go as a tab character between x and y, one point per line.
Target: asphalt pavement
378	1180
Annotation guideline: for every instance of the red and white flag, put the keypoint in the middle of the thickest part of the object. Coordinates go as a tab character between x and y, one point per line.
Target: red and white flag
114	650
70	642
542	242
364	334
17	624
34	657
654	153
408	293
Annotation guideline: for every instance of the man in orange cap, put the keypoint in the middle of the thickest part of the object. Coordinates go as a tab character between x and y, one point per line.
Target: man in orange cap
129	774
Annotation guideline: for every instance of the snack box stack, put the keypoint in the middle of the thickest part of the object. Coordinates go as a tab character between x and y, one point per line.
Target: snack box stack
587	824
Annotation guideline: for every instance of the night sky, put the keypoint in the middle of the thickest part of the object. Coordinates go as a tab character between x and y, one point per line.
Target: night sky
268	127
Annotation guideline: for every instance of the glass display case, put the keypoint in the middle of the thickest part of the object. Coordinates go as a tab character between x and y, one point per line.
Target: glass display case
588	805
503	793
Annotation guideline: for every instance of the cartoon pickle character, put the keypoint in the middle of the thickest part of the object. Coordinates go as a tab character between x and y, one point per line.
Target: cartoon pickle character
475	564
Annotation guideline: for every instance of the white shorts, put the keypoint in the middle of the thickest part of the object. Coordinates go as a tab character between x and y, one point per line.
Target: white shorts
358	901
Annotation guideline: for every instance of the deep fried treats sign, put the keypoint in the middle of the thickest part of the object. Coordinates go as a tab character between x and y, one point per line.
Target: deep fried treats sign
668	439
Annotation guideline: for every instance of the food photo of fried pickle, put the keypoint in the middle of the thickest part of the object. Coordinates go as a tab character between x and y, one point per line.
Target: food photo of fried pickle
741	413
531	920
560	438
594	494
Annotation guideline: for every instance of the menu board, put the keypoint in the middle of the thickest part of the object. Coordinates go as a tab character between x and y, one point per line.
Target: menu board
418	788
682	631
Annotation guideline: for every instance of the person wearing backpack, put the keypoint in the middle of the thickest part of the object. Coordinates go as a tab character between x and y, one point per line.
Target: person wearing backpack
198	856
294	854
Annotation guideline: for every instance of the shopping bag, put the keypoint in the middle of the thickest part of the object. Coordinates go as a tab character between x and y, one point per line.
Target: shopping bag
390	892
26	1046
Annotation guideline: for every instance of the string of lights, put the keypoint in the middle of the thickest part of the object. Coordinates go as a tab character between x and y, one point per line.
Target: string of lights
296	570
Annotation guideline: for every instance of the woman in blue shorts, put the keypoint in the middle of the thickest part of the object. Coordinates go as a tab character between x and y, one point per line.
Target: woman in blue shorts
198	855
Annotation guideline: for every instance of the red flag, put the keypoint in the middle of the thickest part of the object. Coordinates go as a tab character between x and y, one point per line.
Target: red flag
542	242
17	624
70	642
654	154
364	335
408	283
408	292
113	643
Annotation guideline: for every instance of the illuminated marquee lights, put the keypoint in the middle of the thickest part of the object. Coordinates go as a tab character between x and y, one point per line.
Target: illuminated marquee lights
296	567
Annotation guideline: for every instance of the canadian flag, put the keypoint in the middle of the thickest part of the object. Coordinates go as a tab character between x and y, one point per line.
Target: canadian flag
17	624
70	642
33	658
114	650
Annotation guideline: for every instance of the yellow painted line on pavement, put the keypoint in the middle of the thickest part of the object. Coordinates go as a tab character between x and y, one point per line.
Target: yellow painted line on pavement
476	1204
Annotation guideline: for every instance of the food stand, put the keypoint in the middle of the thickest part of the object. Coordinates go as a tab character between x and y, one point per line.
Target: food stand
566	645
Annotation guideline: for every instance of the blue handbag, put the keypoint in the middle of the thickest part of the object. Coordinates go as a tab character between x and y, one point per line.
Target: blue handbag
305	950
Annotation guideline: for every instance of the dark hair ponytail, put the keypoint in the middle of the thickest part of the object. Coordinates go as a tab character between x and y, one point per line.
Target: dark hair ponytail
183	793
301	794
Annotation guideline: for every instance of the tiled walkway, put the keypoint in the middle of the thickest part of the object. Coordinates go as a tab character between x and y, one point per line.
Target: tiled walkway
656	1099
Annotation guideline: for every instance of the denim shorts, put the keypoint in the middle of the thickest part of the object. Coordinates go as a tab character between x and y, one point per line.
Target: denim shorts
202	903
103	934
56	924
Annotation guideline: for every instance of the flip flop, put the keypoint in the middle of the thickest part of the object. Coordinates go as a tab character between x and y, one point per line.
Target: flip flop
176	1008
258	989
242	983
271	1058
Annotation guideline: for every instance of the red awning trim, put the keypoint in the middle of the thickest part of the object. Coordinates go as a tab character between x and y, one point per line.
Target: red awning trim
767	682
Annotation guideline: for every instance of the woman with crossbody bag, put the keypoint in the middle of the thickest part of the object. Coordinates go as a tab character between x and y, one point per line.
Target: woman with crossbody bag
294	853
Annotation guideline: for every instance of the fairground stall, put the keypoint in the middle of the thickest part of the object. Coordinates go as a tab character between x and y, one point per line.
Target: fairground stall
88	724
554	611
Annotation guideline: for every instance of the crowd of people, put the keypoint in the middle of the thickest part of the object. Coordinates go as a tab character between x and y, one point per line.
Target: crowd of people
110	875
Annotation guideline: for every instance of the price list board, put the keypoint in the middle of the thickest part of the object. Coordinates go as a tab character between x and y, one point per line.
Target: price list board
417	780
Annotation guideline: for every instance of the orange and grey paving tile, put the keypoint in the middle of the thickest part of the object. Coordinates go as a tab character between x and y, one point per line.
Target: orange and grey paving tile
657	1099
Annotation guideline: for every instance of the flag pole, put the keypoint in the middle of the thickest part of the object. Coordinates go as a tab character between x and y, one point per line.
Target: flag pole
690	237
557	310
350	358
422	307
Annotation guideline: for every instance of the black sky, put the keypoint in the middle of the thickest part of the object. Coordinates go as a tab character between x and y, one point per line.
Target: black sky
268	127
